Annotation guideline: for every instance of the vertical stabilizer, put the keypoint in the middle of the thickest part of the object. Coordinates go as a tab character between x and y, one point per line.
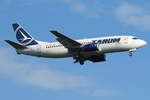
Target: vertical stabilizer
23	36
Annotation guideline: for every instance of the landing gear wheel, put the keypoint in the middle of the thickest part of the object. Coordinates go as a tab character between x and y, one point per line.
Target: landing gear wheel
82	62
76	58
130	53
79	59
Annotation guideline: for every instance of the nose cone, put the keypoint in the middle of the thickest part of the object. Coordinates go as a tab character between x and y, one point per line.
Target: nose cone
142	43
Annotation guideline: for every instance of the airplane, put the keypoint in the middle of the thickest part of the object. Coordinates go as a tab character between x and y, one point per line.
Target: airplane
91	49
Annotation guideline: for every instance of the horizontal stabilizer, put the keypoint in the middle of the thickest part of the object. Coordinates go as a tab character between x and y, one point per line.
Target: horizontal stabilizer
15	45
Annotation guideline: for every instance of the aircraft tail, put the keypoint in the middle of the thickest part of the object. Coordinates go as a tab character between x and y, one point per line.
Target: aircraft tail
15	45
23	37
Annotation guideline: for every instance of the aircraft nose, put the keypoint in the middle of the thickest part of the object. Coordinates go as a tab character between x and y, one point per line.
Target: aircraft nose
143	43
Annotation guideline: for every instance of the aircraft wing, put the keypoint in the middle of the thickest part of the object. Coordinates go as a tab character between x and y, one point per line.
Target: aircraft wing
66	41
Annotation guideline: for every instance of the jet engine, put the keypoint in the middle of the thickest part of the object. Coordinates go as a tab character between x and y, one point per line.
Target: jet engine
91	47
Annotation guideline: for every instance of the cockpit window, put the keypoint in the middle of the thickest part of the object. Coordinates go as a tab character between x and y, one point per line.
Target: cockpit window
135	38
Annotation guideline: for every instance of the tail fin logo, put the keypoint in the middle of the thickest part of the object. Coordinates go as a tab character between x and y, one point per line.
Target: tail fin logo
22	36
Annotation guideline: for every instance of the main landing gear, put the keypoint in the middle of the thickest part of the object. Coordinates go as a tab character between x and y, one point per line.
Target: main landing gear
79	59
131	51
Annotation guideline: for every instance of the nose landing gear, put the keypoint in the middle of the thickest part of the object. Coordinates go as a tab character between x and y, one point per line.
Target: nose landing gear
131	51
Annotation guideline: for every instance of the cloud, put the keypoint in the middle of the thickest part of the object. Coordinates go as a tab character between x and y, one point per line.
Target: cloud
82	8
133	15
41	76
54	80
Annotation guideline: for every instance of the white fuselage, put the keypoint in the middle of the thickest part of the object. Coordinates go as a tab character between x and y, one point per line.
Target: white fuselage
57	50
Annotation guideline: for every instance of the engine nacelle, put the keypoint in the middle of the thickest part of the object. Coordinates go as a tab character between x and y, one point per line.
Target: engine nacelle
91	47
97	58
